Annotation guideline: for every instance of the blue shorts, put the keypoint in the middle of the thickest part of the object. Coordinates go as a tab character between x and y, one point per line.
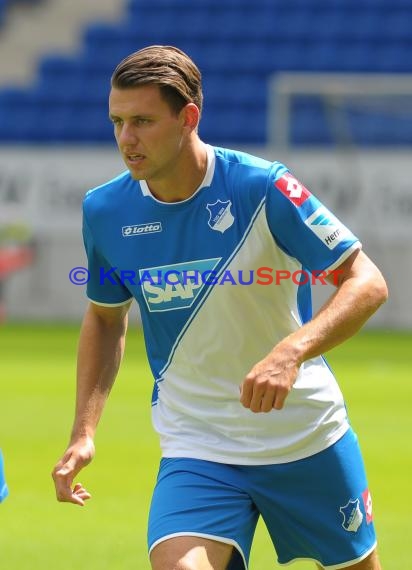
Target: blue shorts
3	486
318	508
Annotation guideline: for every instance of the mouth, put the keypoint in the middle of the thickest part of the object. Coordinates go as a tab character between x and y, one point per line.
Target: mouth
134	158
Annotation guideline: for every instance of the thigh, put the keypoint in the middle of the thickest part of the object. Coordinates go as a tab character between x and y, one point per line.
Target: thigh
319	508
371	562
202	500
188	552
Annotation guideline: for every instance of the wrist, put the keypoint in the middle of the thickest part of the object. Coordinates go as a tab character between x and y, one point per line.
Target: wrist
293	350
83	432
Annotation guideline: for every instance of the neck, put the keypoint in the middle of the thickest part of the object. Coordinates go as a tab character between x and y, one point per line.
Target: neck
184	177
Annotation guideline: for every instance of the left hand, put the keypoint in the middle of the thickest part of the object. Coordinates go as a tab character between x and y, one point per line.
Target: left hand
79	454
268	384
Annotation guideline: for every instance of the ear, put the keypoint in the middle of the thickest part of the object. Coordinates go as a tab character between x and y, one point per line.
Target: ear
191	116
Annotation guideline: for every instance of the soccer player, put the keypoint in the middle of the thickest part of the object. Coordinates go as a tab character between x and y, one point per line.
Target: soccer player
219	248
3	485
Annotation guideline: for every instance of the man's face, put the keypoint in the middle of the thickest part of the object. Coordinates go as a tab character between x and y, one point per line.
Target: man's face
149	135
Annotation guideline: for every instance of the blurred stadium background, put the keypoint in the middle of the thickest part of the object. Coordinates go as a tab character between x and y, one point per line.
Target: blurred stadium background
324	86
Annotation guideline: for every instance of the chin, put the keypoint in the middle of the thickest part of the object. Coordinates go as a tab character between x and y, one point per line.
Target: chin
136	175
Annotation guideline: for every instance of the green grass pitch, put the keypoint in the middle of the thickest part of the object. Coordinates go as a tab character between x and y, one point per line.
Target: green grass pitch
37	368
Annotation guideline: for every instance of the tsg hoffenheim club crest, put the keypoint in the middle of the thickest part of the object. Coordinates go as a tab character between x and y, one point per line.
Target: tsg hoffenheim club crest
352	516
220	216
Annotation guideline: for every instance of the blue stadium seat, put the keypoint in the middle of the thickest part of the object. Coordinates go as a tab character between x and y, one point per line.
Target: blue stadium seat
100	34
380	129
393	57
136	5
320	56
18	103
311	125
355	57
347	24
239	89
228	125
288	56
396	26
243	25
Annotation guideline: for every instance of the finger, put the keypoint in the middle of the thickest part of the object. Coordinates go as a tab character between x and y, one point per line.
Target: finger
66	495
67	468
259	391
80	492
64	491
246	391
63	476
59	466
76	499
280	397
85	496
77	496
267	402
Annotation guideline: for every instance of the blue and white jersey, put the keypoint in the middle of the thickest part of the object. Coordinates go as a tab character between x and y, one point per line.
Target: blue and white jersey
220	278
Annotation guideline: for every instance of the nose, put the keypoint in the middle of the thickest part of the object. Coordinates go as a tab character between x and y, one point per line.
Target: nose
126	135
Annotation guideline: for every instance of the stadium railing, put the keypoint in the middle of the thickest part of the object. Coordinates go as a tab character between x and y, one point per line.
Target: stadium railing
340	109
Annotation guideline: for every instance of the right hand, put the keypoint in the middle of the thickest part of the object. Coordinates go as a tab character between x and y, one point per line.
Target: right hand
78	455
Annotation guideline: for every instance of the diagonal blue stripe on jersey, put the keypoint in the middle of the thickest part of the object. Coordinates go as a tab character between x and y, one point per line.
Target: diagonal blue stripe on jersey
206	295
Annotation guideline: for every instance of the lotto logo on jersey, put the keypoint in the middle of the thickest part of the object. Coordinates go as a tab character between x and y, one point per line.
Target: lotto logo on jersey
141	229
327	227
172	287
292	189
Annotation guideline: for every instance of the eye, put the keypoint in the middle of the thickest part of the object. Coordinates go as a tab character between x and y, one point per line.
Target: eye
116	121
143	121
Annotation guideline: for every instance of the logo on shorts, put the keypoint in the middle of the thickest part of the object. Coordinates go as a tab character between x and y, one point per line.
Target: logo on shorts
352	516
367	503
220	216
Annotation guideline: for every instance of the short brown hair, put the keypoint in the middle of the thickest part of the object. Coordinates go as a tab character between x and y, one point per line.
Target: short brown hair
177	76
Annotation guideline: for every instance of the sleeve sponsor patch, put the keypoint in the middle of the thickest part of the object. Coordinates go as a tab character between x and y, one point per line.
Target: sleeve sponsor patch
327	227
292	189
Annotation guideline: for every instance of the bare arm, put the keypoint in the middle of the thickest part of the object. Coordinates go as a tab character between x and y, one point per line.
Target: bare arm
361	289
100	352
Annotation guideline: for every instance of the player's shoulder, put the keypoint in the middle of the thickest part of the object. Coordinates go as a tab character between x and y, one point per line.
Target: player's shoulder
102	196
249	167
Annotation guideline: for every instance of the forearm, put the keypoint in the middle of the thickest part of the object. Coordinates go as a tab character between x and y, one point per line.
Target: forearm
339	319
101	347
358	296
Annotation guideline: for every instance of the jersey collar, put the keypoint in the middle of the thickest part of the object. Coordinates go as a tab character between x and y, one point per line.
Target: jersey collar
207	180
